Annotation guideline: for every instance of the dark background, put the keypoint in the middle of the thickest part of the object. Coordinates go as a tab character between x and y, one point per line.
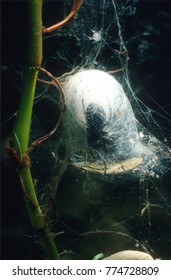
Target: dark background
148	33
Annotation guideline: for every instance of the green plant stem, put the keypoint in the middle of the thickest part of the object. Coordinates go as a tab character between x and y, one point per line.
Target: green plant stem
21	133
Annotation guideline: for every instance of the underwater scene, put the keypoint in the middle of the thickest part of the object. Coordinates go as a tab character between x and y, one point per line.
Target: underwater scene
86	129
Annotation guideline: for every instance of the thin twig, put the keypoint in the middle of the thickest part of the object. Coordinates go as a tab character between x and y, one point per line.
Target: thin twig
56	82
126	62
45	82
42	139
75	7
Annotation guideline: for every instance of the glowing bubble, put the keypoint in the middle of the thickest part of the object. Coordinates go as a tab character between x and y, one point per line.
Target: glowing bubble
99	124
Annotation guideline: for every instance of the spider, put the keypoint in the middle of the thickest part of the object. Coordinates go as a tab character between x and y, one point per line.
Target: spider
96	121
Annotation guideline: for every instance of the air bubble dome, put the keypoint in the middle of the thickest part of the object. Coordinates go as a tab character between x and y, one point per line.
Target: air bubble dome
99	124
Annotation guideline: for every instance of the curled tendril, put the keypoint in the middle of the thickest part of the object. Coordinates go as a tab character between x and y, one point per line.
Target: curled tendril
76	5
